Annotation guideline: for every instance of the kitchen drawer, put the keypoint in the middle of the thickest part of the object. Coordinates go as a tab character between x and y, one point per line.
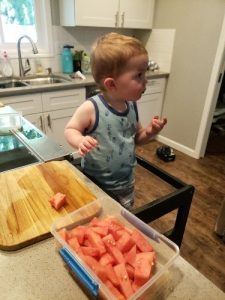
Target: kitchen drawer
71	99
27	104
155	86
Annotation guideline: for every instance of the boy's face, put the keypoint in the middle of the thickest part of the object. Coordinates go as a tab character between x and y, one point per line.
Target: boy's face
130	85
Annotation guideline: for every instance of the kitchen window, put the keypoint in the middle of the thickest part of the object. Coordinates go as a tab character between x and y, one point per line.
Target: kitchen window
30	17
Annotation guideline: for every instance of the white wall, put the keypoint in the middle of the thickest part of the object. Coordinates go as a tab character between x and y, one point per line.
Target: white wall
160	47
198	25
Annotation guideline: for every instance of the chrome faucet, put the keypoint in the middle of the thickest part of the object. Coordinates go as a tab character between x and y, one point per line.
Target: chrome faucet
35	51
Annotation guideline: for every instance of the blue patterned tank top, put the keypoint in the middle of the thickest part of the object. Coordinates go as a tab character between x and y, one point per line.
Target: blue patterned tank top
112	162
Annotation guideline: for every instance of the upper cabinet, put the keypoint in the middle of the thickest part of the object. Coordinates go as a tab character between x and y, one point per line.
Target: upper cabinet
135	14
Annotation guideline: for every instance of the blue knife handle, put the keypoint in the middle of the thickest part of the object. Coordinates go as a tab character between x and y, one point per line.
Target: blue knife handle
80	272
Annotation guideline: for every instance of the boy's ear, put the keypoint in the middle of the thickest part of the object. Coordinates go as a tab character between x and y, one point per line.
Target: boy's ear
109	83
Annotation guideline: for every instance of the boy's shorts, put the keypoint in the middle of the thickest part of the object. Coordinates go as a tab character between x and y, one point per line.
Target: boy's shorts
125	196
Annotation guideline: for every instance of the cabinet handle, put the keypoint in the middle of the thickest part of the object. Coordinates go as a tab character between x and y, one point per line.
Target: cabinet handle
41	123
49	121
122	19
117	19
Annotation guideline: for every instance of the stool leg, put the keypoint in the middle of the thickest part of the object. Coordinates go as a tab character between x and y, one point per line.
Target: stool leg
220	222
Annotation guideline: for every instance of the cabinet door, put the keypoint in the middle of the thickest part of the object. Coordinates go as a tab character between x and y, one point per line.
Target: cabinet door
136	13
37	120
63	99
27	104
97	13
55	122
151	102
150	106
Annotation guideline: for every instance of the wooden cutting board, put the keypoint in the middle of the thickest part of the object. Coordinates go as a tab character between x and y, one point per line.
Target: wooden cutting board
25	212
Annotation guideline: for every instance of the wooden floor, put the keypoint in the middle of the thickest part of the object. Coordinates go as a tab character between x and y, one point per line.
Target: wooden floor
201	247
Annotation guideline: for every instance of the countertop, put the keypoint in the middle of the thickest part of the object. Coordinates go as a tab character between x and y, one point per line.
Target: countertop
38	272
74	83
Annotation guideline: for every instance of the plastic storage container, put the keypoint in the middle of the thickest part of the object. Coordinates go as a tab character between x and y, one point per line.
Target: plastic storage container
67	59
10	121
166	250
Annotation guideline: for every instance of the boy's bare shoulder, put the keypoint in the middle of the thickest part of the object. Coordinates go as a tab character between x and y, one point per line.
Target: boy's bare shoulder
87	105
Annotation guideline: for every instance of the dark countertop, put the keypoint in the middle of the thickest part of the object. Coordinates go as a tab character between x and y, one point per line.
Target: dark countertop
74	83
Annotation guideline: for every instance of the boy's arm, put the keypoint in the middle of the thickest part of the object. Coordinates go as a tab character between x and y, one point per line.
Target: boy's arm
82	119
144	135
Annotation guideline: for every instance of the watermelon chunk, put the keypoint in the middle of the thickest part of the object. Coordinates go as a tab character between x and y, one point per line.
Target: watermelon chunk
110	245
91	262
58	200
142	244
114	226
143	266
95	240
124	281
79	233
114	290
98	222
91	251
130	256
73	242
130	271
117	255
125	242
109	241
106	259
111	275
101	230
95	266
117	234
87	243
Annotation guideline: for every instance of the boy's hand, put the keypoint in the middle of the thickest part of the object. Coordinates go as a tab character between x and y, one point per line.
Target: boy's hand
86	145
155	126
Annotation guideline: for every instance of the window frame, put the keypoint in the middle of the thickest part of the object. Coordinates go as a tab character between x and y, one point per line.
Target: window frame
44	33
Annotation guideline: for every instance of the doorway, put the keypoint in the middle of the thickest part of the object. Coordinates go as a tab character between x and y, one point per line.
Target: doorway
216	140
212	96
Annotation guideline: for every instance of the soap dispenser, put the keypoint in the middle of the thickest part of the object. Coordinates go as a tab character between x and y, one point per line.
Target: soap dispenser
6	67
67	59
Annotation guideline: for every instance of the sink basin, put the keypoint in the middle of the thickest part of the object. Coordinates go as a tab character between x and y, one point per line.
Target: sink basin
11	83
15	82
48	79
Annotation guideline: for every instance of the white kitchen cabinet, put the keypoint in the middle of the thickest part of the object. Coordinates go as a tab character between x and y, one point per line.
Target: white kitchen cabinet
151	102
136	14
49	111
63	99
53	124
27	104
56	122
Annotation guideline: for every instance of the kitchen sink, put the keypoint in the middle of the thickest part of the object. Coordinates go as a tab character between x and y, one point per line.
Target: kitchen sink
48	79
15	82
11	83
